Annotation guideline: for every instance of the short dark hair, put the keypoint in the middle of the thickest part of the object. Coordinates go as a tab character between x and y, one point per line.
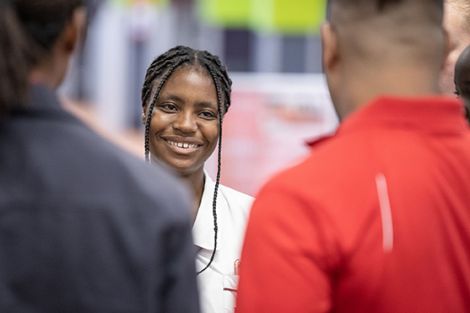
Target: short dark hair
462	6
380	5
28	30
373	26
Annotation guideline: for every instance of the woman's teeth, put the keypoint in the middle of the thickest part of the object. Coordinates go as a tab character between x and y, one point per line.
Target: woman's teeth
183	145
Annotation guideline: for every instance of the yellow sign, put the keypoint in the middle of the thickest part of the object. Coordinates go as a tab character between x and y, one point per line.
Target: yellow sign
229	13
288	16
284	16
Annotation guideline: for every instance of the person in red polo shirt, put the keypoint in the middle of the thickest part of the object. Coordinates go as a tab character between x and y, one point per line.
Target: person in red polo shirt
377	218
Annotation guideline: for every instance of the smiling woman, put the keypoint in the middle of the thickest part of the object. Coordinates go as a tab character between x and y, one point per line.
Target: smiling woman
184	126
185	96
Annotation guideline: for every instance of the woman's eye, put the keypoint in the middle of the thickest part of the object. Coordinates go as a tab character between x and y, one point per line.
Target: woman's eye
168	107
208	115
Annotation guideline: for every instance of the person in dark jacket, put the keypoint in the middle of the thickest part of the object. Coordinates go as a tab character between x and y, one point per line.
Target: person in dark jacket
84	227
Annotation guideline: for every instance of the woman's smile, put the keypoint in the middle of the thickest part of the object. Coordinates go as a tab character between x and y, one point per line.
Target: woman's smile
182	146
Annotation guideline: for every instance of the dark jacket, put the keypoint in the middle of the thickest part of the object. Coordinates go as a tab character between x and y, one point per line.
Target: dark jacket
84	227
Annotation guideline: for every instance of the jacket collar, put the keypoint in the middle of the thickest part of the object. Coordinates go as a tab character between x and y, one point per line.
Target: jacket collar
42	102
443	115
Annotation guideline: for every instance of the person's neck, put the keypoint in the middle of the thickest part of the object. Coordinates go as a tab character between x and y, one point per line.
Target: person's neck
400	83
195	181
46	74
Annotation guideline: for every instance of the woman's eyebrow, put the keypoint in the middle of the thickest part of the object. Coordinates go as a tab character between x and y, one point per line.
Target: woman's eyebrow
198	104
171	97
206	104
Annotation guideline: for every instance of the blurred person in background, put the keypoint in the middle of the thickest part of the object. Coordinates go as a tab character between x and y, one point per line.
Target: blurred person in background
377	219
84	227
462	79
457	25
185	97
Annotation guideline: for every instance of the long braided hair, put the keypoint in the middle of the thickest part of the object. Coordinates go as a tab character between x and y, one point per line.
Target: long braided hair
161	70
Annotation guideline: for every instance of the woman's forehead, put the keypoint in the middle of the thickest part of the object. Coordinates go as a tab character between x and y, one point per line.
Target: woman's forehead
187	78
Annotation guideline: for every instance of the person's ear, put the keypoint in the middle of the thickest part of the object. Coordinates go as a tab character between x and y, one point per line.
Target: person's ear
448	47
330	51
74	30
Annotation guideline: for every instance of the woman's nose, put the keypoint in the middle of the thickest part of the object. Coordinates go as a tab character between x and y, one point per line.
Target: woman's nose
185	122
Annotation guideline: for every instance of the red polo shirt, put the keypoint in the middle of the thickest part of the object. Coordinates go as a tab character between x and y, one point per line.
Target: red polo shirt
377	219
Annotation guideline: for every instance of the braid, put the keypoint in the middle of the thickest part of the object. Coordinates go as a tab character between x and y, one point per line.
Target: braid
220	110
219	74
162	68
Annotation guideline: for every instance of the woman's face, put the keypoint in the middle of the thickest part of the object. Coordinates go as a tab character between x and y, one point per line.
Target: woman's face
184	127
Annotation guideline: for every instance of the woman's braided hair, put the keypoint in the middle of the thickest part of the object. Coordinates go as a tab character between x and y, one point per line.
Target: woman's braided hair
160	70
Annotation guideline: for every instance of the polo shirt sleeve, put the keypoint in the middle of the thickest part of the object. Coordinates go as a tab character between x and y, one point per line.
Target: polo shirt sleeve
289	254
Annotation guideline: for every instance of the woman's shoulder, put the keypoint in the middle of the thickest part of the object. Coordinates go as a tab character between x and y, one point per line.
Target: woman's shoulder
237	199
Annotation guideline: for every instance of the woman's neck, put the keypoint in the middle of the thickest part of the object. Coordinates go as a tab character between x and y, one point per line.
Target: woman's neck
195	181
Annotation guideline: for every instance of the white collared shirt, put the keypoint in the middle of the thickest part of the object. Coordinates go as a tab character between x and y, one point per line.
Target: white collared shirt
218	283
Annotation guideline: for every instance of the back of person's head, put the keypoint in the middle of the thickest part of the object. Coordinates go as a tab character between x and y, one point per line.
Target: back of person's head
462	79
371	44
457	25
29	32
368	25
462	7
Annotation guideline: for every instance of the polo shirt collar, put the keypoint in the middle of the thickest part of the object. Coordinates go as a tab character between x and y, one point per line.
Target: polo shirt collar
443	115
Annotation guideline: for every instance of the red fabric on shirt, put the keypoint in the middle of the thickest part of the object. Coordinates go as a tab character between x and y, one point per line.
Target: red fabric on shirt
318	238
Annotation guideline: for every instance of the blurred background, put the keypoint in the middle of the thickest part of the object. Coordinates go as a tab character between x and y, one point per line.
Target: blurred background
273	53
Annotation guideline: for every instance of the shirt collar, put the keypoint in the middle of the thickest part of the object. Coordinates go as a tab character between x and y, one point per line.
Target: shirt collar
427	114
203	228
316	141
